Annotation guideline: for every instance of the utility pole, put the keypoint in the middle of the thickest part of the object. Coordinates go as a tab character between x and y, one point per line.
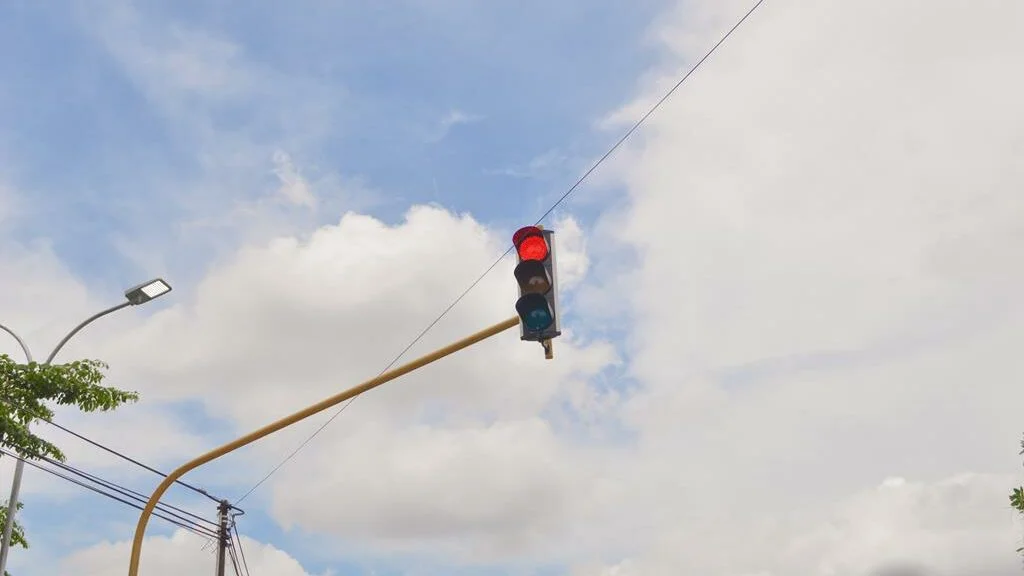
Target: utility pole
222	536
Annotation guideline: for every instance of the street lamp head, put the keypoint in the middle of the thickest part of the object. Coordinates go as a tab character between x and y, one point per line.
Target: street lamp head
147	291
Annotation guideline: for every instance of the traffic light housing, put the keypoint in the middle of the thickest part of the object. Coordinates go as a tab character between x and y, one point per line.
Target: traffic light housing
537	276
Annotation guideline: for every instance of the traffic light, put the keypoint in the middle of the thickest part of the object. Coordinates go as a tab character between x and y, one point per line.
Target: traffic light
537	277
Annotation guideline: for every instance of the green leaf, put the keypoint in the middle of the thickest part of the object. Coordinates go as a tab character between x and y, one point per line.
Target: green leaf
1017	499
27	394
27	391
17	532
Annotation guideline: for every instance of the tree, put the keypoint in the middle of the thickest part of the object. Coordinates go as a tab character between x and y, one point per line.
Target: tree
27	392
17	532
1017	495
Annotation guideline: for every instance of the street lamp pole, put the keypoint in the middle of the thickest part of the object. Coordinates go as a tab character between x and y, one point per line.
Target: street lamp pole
134	296
24	347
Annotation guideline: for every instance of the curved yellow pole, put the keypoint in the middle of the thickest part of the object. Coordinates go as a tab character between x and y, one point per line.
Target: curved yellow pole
147	511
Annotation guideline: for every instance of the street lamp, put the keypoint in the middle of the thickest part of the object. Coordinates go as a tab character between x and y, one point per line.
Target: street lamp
134	296
145	292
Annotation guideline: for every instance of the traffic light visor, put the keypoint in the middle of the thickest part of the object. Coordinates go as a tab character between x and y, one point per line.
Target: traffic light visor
530	243
534	311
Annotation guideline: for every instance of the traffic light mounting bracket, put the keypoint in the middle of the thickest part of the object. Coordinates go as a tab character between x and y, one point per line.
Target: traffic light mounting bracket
549	352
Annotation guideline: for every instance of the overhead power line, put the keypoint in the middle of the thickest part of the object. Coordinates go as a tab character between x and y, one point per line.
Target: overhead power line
241	550
132	494
132	460
124	457
164	510
108	485
625	136
234	559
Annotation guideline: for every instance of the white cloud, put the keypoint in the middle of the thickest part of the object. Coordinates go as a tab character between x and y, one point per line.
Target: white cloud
573	261
43	282
456	117
537	167
294	188
181	553
45	302
173	65
476	445
825	225
826	220
449	121
473	491
237	174
949	527
8	203
177	441
952	527
945	528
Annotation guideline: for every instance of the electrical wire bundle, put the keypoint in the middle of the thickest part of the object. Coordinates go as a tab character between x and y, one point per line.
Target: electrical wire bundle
172	514
235	542
193	523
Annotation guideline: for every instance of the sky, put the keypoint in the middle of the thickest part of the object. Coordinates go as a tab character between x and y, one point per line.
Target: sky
790	301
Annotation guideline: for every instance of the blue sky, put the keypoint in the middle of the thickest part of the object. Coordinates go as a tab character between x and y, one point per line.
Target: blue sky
125	124
419	102
792	298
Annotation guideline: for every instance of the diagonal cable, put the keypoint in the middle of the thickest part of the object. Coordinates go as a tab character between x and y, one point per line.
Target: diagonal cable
241	550
196	529
128	492
121	455
543	216
234	558
132	460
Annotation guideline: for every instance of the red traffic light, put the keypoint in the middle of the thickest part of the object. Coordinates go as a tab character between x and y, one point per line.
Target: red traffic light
530	244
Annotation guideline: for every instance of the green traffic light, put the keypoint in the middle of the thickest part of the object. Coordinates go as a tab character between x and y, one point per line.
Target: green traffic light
538	320
535	312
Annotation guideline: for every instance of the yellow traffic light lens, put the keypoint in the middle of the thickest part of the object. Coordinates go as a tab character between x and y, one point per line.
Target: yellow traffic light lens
533	277
538	285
